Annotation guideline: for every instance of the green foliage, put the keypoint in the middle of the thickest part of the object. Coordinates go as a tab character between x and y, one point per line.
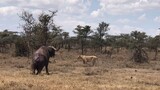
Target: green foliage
43	31
99	34
55	36
82	34
153	43
7	38
124	40
39	31
45	24
138	41
21	48
140	55
66	42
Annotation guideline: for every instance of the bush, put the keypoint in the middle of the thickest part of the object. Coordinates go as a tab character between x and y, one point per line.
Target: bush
139	55
21	48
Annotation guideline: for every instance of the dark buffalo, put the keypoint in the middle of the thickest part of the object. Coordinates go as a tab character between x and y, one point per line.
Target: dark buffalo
41	58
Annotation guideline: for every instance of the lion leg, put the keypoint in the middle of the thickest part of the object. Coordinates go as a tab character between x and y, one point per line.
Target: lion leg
84	62
93	61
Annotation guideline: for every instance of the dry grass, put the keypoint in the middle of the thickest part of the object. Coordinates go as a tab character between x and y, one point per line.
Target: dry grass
116	73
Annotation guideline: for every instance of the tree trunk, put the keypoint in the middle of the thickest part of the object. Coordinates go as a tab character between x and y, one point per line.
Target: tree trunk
155	56
30	51
82	46
68	46
101	43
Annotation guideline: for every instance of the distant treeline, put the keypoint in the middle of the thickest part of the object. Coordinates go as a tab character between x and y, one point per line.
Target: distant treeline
43	31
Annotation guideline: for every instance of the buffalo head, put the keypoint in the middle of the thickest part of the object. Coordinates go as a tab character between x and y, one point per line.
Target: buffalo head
51	51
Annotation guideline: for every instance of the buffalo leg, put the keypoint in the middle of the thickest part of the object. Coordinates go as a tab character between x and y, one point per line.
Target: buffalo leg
37	72
33	68
33	72
46	66
39	69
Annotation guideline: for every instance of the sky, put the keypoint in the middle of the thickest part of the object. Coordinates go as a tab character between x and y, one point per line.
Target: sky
123	16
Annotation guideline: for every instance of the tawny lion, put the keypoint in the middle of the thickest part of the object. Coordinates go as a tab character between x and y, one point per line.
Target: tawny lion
86	59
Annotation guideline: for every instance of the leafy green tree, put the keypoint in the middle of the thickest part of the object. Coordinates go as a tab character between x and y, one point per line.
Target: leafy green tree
124	40
138	41
153	43
56	37
7	38
21	48
28	25
121	41
45	24
65	36
101	31
82	35
73	43
39	31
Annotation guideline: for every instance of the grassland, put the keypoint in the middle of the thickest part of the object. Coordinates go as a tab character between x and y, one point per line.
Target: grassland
115	73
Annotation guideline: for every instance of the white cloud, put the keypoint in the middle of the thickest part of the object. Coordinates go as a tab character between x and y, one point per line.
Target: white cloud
61	5
119	7
1	30
142	17
123	21
126	29
157	19
114	30
132	28
153	32
72	1
36	12
9	10
68	24
96	13
76	7
74	12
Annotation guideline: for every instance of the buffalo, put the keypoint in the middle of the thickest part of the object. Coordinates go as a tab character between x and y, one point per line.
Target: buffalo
41	58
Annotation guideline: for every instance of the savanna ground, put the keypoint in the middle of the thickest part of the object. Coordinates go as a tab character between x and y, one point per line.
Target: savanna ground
115	73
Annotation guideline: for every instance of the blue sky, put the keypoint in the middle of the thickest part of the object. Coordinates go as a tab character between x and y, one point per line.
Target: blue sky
123	16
